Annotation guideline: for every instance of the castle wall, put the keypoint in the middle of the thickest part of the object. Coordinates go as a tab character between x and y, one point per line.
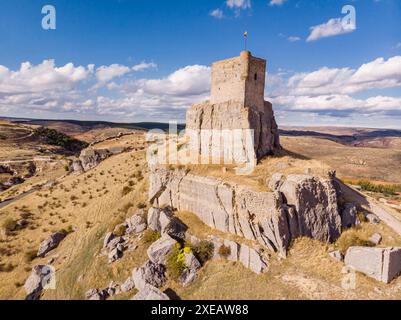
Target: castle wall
239	79
237	102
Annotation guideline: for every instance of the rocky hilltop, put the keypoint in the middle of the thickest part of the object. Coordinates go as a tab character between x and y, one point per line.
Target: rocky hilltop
299	205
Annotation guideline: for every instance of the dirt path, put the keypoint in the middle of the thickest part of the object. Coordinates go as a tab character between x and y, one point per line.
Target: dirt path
386	214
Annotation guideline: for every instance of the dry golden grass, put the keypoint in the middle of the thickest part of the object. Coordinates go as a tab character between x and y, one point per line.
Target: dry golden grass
78	265
93	204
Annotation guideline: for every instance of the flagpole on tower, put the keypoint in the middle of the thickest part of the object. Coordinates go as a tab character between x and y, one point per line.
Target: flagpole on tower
245	39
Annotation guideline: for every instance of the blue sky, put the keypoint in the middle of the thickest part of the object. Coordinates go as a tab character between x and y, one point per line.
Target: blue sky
135	60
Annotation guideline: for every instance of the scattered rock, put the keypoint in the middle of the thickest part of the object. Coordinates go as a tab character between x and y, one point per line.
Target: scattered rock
114	255
128	285
109	236
149	292
50	243
337	255
376	238
136	223
159	250
114	242
372	218
192	266
113	289
150	273
96	294
40	276
382	264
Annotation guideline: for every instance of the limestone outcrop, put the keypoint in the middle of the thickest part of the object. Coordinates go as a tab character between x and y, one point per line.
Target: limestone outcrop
50	243
39	278
208	122
89	159
300	206
382	264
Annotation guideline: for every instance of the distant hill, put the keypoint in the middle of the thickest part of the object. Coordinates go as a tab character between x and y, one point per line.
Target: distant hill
88	125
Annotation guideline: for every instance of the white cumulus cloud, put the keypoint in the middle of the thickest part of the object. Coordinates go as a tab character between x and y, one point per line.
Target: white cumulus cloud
331	28
276	2
217	13
106	73
239	4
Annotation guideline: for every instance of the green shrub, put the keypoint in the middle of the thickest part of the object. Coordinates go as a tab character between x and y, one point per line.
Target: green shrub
203	250
120	230
30	255
151	236
56	138
126	190
9	225
176	262
67	230
224	251
390	189
141	205
6	267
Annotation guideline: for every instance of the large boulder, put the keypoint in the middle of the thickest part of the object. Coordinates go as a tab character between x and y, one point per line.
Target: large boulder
114	242
192	266
162	220
39	278
159	250
153	219
136	223
149	292
128	285
315	201
50	243
382	264
375	238
150	273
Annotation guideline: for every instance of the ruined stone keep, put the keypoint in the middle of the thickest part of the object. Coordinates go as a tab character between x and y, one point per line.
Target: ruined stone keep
236	102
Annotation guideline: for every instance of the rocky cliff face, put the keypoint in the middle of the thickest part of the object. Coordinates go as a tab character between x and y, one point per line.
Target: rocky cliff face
232	115
298	206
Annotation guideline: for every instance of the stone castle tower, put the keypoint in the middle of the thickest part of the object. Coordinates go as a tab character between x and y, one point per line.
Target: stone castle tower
236	102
